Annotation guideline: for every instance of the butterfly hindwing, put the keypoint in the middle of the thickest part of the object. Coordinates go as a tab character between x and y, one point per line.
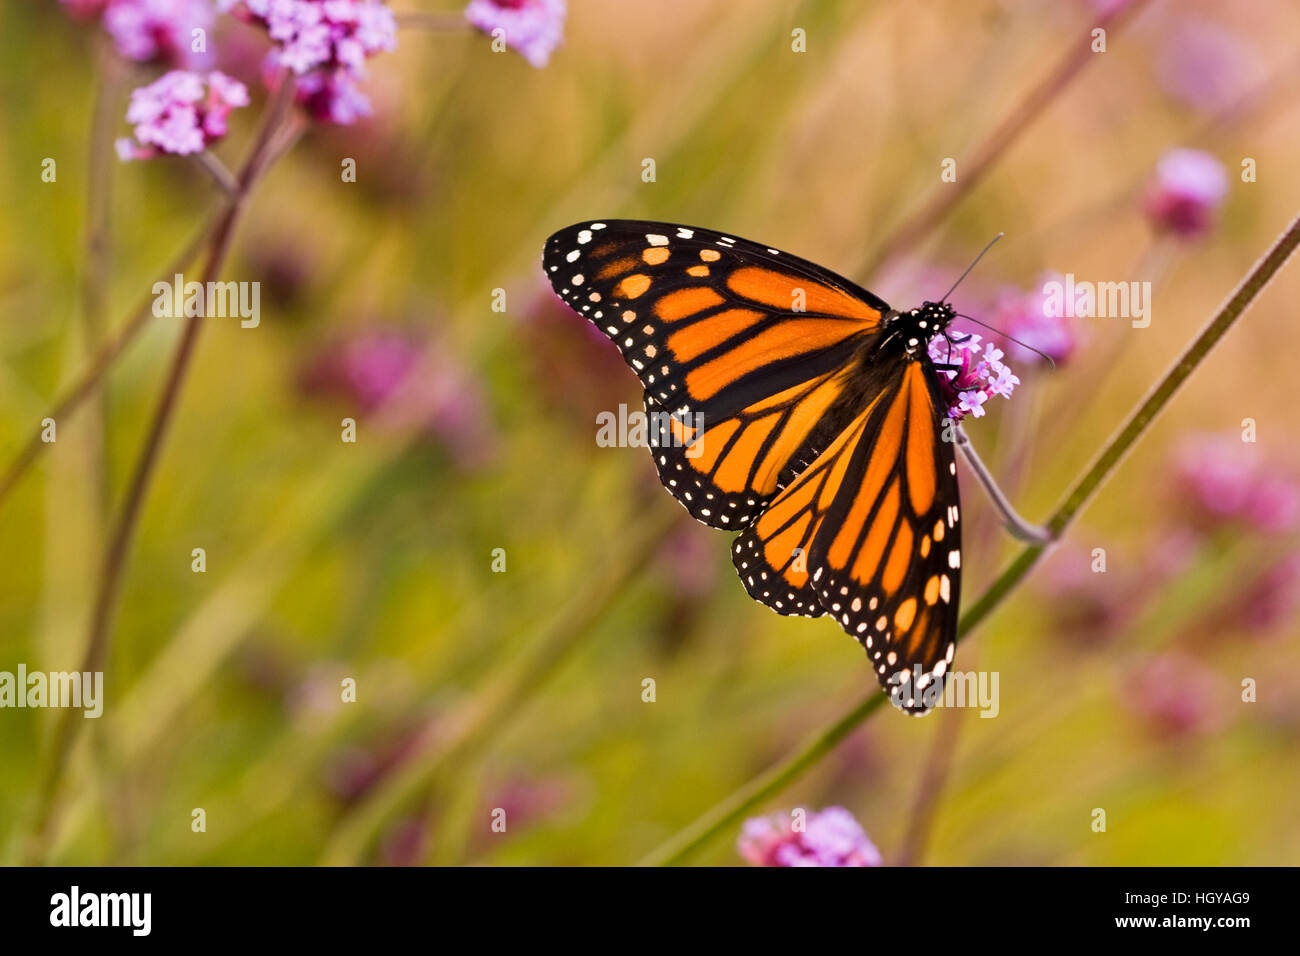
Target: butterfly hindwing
725	472
773	557
870	532
887	563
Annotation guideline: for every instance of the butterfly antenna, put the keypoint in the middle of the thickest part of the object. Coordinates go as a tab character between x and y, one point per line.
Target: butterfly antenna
971	266
1011	338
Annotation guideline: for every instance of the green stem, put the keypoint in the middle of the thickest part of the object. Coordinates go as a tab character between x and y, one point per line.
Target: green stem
730	811
89	382
117	552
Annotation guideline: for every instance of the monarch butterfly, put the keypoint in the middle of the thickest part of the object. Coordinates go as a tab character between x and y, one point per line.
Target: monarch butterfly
793	406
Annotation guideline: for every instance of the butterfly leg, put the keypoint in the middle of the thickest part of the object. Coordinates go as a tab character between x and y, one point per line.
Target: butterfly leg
1016	525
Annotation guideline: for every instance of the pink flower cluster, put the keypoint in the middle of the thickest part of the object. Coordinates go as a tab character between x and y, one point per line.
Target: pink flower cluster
1174	694
84	9
533	27
1224	481
981	376
828	838
1188	188
152	30
325	44
402	383
1026	316
181	113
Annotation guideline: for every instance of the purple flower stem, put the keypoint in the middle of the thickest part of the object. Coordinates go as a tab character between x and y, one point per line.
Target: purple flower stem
118	548
1152	266
222	176
728	813
1000	138
87	385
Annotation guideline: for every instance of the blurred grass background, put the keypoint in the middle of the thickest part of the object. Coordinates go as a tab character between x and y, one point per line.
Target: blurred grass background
373	560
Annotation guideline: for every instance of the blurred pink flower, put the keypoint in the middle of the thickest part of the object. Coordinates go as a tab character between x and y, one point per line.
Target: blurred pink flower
1026	316
1203	63
180	113
830	838
1088	607
982	374
1174	694
84	9
689	561
148	30
405	842
533	27
152	30
1223	481
402	383
575	367
352	771
332	97
325	45
1188	188
1108	6
1262	606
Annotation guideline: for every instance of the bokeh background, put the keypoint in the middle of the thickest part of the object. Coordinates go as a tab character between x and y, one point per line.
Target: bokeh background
522	690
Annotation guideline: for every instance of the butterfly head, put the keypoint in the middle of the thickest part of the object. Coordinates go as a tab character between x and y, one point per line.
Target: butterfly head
916	327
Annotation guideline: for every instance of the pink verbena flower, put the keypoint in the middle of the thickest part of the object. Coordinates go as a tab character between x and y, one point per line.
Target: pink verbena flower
829	838
1188	188
402	384
84	9
162	30
180	113
151	30
1223	482
325	45
1271	601
1205	64
333	97
1027	316
533	27
1174	694
981	376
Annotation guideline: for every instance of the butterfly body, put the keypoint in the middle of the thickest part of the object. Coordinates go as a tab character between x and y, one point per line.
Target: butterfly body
798	409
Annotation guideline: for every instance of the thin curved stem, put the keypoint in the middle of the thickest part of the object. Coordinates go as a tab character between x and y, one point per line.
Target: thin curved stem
728	813
211	164
732	809
1017	526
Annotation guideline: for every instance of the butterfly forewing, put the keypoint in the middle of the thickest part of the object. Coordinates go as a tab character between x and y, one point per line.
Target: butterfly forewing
887	563
741	349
